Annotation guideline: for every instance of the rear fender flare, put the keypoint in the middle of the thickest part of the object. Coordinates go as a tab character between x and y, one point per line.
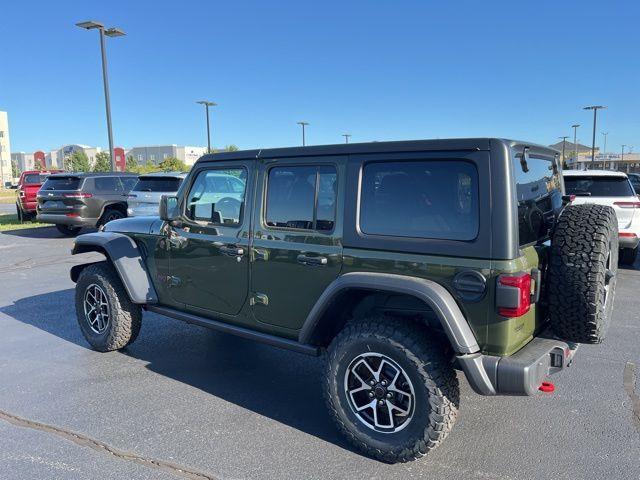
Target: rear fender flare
125	256
433	294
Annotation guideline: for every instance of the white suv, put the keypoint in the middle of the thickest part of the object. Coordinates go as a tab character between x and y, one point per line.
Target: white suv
613	189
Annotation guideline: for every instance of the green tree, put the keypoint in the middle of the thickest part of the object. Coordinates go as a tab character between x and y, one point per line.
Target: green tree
15	170
77	162
231	148
172	164
131	165
102	163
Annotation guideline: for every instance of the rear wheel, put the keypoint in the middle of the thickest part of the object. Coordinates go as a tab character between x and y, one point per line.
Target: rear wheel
20	214
390	389
628	255
107	317
109	215
68	230
582	273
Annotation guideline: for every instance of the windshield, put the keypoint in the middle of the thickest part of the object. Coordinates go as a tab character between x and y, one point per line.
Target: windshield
62	183
157	184
598	186
539	192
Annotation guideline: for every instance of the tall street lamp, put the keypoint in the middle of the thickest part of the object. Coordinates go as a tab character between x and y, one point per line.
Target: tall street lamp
109	32
604	134
622	157
346	136
303	124
595	109
575	143
564	142
207	104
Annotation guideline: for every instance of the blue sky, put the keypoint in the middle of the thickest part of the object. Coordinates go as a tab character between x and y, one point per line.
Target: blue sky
378	70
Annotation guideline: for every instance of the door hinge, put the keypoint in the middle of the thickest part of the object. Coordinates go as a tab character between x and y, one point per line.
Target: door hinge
259	299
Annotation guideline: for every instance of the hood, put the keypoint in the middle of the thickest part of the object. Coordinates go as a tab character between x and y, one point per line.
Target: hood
143	225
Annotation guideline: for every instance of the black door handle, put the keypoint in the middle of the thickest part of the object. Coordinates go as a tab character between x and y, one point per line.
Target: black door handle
232	250
307	260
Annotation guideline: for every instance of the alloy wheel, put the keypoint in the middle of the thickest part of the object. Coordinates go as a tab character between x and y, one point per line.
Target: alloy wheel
96	308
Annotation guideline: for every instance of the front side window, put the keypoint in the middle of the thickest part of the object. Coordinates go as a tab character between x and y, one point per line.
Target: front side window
420	199
301	197
212	200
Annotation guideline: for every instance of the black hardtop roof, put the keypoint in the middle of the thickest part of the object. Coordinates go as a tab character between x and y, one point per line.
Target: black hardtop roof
92	174
451	144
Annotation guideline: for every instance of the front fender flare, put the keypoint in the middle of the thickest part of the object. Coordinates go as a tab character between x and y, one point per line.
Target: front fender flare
433	294
125	256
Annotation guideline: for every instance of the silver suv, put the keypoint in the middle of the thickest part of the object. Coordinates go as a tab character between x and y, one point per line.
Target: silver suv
144	198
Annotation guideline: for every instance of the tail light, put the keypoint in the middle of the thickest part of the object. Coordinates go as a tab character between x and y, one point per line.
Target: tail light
77	195
21	193
627	204
627	234
513	295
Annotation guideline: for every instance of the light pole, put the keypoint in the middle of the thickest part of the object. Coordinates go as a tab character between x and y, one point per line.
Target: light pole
564	142
595	109
109	32
575	143
207	104
622	157
346	136
303	124
604	134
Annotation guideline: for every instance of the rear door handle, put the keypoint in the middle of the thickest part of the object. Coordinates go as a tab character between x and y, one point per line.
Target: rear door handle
232	250
307	260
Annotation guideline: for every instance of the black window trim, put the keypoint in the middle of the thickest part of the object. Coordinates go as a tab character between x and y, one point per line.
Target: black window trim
417	160
185	188
316	165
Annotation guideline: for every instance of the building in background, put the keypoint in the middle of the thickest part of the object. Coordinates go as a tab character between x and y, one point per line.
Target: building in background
5	150
24	161
157	153
608	161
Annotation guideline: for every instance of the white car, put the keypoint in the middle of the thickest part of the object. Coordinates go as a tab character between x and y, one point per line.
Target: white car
614	189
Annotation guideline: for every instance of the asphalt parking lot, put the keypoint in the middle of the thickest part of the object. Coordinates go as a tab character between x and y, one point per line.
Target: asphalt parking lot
185	402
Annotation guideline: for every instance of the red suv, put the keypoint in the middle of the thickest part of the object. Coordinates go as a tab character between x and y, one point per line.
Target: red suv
28	186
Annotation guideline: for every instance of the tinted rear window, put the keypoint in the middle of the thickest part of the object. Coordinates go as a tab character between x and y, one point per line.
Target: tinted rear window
157	184
598	186
33	179
422	199
539	192
62	183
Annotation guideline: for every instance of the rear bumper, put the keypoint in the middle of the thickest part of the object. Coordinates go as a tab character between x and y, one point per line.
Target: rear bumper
521	373
61	219
628	239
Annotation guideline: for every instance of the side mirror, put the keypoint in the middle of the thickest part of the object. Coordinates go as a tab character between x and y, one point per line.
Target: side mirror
169	208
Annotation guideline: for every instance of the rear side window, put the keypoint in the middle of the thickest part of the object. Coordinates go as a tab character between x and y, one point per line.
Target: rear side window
62	183
106	184
539	192
420	199
301	197
159	184
598	186
129	182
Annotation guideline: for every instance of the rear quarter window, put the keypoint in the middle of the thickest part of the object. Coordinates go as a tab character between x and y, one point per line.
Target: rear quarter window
420	199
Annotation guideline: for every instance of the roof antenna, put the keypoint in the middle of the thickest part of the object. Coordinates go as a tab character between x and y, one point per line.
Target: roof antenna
258	154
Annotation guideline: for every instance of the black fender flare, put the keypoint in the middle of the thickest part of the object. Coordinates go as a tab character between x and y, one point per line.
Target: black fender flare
433	294
125	256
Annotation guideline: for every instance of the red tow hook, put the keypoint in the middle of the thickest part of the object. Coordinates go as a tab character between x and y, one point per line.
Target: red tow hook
547	387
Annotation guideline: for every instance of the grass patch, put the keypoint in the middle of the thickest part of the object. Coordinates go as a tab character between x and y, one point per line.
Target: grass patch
11	222
7	196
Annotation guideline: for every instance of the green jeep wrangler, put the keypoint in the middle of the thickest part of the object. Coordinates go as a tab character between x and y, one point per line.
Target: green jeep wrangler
399	262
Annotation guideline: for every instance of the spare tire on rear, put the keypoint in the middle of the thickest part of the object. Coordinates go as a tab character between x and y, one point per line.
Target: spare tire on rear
581	278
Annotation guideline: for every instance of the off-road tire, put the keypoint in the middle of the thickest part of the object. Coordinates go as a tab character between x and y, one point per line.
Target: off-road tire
125	317
109	215
68	230
433	378
628	255
583	260
19	213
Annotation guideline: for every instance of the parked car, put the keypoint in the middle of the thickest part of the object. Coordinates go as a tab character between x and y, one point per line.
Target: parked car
144	197
399	261
28	185
615	190
634	178
72	201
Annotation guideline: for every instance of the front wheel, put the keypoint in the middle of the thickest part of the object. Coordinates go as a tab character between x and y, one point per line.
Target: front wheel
107	317
390	389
